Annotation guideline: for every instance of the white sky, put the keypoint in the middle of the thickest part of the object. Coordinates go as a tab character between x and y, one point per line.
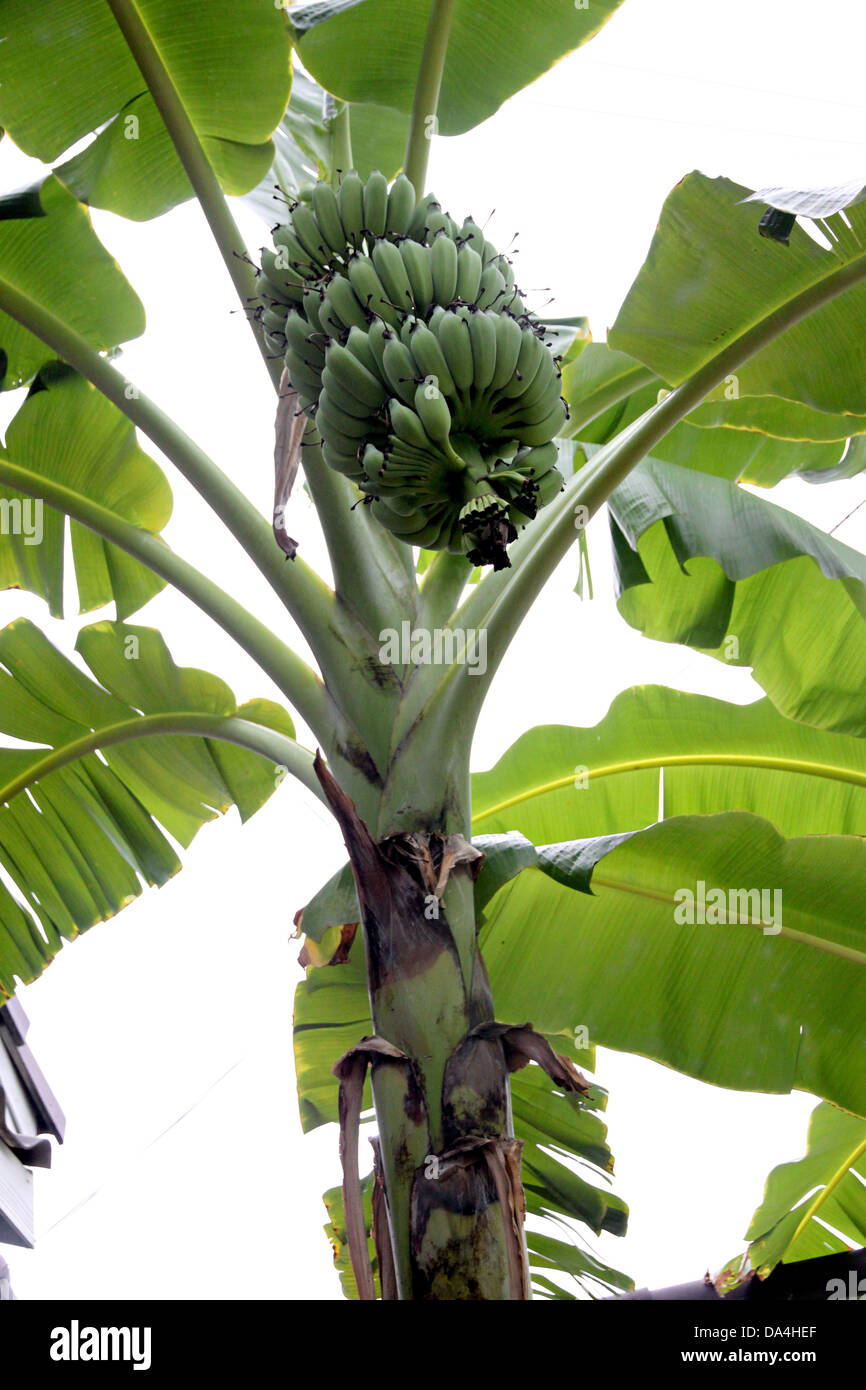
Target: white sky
183	1003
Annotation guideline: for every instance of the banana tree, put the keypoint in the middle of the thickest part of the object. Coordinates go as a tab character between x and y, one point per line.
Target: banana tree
509	922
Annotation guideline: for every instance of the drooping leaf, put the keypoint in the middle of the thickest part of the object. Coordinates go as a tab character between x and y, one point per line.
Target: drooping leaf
79	839
68	72
50	254
68	432
709	278
486	62
771	1003
546	1253
824	1189
702	562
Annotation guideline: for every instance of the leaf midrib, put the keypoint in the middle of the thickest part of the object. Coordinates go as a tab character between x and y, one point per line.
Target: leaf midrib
765	762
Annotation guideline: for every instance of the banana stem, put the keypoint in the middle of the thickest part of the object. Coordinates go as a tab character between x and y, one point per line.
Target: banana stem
341	146
370	572
243	733
295	679
422	122
441	587
195	162
301	590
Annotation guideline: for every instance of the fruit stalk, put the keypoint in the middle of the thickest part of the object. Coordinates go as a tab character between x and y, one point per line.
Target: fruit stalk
424	107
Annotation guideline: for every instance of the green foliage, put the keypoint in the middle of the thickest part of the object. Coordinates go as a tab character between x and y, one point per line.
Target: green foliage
702	562
50	255
734	358
716	277
78	837
67	431
729	1003
817	1204
231	73
485	65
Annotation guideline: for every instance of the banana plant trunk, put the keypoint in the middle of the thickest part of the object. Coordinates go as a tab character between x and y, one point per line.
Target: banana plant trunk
448	1203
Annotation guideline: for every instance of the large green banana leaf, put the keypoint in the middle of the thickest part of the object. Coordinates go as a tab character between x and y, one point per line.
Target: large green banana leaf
561	1134
67	72
50	254
371	52
817	1204
709	277
557	781
68	432
81	833
702	562
731	1003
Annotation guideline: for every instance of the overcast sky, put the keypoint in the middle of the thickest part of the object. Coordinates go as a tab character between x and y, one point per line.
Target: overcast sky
166	1033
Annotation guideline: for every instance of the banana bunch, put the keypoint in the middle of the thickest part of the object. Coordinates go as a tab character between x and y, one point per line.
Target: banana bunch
430	384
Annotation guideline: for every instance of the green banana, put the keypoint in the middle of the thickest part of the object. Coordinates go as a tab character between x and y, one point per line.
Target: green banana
276	268
532	412
306	228
427	206
443	263
303	342
355	376
469	270
345	462
453	334
358	344
407	426
427	352
327	210
370	290
401	206
548	427
350	202
530	361
508	343
334	422
400	369
342	299
334	392
378	337
302	377
312	301
391	270
492	289
432	410
376	204
440	222
471	235
419	270
482	336
292	256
